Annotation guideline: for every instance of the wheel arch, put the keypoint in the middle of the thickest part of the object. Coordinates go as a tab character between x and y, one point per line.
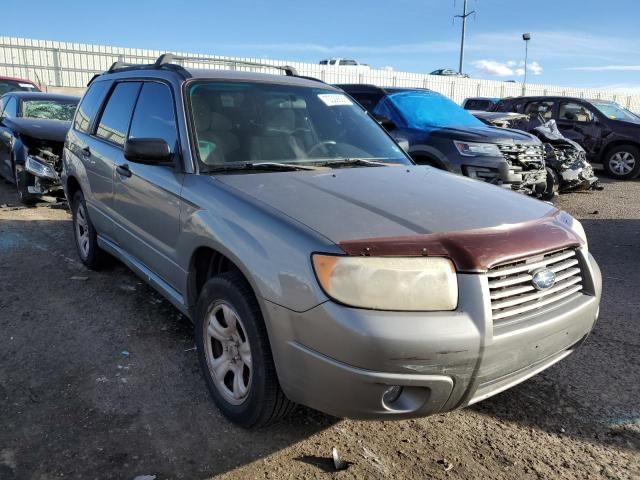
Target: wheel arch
424	157
206	262
617	143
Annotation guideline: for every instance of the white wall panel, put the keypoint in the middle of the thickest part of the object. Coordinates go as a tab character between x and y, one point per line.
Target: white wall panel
62	64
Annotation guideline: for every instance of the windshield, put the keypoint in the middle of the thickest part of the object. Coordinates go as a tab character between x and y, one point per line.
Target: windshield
615	111
425	110
49	109
260	122
16	85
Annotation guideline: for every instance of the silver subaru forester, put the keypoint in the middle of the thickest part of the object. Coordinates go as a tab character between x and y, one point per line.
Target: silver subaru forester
318	263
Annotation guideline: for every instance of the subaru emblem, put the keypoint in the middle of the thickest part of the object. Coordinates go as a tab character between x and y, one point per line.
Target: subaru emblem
543	279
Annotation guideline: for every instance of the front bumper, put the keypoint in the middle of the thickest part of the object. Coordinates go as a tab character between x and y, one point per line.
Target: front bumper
501	173
342	360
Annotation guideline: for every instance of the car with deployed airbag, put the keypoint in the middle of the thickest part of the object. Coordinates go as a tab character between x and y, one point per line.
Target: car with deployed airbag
608	132
33	127
318	263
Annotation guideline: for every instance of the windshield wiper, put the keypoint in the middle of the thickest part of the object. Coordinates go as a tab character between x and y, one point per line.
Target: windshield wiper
265	166
344	162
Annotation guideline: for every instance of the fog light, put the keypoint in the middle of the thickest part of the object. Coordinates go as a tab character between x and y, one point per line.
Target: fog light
391	394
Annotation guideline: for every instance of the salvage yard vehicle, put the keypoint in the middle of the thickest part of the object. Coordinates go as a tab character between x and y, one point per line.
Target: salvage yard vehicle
443	135
609	133
12	84
566	161
318	263
449	72
33	127
481	104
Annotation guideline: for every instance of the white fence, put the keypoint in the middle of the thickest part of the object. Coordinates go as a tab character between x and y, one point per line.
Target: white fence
71	65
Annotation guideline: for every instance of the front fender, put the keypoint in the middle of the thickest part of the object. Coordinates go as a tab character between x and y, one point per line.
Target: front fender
272	251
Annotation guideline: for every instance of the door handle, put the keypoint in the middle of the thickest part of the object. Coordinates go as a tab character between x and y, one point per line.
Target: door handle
86	152
124	170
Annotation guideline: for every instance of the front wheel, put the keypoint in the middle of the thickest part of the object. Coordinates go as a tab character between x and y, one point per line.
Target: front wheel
235	355
622	162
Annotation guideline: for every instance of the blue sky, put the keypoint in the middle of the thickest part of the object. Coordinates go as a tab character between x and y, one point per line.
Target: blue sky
586	43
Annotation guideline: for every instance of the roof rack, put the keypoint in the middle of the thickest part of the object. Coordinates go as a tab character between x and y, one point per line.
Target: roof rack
120	65
170	58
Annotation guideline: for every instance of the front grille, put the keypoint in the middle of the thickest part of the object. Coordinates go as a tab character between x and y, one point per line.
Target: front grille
511	288
523	154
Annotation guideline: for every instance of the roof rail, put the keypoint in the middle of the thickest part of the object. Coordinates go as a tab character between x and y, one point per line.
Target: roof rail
120	65
170	58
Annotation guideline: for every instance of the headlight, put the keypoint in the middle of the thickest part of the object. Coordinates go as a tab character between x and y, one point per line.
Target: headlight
389	283
39	169
576	226
469	149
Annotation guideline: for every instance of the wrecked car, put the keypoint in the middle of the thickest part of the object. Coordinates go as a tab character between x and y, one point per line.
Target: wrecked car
443	135
567	166
33	127
318	263
12	84
608	132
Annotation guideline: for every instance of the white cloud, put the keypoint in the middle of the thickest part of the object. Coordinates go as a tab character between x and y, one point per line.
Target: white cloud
535	68
491	67
608	68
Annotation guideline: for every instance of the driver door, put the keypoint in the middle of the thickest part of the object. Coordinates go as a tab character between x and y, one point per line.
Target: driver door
578	122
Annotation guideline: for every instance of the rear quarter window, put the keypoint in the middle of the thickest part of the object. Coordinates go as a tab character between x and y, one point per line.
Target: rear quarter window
89	106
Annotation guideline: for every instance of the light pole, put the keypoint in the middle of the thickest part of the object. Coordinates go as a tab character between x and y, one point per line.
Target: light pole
526	37
464	16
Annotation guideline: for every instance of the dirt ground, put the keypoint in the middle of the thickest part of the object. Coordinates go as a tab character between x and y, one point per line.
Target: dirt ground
99	379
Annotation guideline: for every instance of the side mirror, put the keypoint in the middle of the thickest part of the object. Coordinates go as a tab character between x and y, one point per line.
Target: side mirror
147	150
385	122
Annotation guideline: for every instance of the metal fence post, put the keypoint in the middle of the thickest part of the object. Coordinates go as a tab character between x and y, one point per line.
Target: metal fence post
57	71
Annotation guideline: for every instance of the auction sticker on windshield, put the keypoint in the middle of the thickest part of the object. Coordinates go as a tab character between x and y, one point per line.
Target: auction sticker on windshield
334	99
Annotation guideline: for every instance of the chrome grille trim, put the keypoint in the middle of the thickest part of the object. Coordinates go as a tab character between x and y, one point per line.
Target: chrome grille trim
512	292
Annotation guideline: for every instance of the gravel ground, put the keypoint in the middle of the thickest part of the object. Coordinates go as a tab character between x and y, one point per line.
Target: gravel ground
99	379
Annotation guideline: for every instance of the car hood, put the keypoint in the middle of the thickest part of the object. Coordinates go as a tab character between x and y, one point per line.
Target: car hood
484	134
54	130
368	202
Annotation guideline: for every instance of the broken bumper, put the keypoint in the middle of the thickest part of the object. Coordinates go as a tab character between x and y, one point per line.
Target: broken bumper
505	175
348	362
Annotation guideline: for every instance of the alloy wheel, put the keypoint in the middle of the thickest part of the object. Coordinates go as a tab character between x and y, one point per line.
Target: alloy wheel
228	353
622	163
82	231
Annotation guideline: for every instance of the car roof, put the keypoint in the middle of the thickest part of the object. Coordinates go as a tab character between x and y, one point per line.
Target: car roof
24	80
367	88
547	97
483	98
42	96
166	66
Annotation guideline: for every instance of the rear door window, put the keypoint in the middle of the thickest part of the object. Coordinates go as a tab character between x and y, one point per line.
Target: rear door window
154	116
89	106
574	112
116	116
544	108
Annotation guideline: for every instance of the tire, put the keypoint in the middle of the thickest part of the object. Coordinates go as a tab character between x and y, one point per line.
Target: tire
24	197
84	234
256	399
622	162
552	187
